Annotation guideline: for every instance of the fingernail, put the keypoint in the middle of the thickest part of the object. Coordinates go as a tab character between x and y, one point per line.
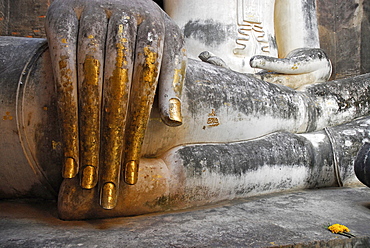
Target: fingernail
131	171
89	177
108	197
70	168
175	111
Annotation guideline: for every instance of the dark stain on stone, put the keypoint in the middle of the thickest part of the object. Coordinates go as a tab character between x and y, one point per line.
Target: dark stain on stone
351	93
309	7
309	12
272	42
209	32
240	158
241	92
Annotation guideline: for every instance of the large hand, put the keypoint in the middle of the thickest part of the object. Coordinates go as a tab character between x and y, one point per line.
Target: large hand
108	56
300	67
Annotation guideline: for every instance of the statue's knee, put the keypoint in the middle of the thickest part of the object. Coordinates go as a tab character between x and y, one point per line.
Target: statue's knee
362	164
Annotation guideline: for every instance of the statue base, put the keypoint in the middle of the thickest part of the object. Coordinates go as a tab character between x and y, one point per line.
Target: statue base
293	219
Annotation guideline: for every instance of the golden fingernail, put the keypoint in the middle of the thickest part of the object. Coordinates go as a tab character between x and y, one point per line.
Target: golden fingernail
175	111
89	177
70	168
131	171
108	197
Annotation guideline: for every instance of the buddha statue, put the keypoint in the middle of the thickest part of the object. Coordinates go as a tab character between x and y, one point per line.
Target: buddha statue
141	125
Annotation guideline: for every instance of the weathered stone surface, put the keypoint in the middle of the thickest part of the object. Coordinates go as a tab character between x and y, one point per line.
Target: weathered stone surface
296	219
27	130
365	34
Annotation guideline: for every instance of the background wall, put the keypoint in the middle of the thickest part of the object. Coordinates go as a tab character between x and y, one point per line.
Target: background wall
343	25
345	34
23	17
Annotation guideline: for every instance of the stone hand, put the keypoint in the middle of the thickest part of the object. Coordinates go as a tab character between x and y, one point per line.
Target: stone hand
301	66
108	57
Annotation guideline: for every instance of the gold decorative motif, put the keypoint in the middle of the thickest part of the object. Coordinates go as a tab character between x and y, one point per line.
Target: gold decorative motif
212	120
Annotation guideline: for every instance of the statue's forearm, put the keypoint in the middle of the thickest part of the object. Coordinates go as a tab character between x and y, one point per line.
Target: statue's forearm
224	106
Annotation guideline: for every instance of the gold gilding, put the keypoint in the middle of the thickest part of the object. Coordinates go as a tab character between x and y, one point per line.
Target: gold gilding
89	177
178	79
69	168
177	82
143	97
67	104
114	119
120	30
131	172
150	65
90	120
175	111
175	117
108	199
7	116
295	67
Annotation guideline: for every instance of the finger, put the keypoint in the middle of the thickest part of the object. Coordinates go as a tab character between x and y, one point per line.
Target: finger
149	48
90	70
117	83
210	58
297	62
172	75
62	29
